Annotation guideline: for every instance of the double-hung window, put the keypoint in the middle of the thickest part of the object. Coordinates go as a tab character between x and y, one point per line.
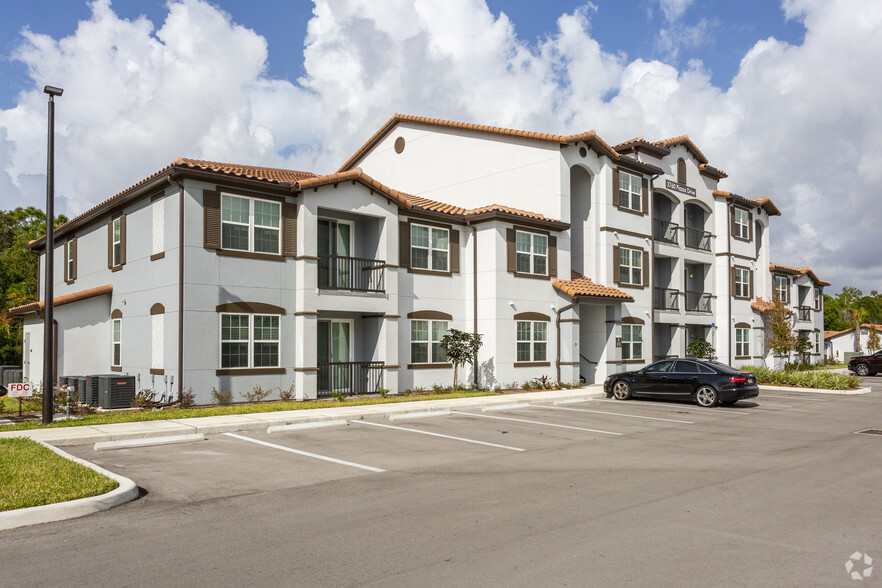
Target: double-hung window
817	342
632	342
742	282
429	248
425	341
630	191
250	224
741	227
70	260
532	341
117	242
631	266
531	253
742	342
817	299
782	286
117	343
249	341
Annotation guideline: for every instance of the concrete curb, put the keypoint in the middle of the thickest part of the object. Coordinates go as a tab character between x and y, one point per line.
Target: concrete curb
814	390
125	492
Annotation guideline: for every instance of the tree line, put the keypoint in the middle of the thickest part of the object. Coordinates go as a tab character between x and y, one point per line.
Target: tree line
850	307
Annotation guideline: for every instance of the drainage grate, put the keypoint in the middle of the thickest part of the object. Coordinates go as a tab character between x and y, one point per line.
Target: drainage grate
870	432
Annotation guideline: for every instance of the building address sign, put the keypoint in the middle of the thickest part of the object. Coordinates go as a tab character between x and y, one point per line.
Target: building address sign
678	187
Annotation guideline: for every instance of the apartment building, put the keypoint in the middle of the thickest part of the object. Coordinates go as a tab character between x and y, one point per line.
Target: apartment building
572	258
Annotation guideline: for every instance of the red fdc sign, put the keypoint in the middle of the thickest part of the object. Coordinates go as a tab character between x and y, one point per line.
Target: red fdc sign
20	390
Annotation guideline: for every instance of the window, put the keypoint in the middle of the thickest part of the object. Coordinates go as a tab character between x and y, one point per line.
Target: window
782	286
681	171
158	209
249	224
741	226
817	299
249	341
531	253
429	248
70	260
632	342
661	366
742	342
742	282
630	266
425	341
532	341
817	342
117	253
117	343
630	191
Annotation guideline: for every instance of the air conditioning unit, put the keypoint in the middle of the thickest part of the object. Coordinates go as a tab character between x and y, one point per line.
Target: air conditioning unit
3	369
72	381
89	394
116	391
13	376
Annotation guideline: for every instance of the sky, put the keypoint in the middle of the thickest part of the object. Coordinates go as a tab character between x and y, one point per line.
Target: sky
781	94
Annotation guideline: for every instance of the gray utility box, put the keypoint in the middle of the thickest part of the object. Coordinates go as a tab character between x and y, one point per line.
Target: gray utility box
89	394
116	391
3	369
12	376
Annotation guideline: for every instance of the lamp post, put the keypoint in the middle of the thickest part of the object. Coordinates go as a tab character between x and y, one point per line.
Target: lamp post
48	319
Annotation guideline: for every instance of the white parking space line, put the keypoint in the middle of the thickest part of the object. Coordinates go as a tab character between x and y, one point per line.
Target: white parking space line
437	435
306	453
677	406
487	416
773	405
806	398
631	416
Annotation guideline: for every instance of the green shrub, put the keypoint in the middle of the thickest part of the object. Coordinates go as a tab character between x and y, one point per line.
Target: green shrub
383	392
287	395
802	379
256	395
221	398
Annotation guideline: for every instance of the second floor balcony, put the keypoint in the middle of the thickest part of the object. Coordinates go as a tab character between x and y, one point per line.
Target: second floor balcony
699	302
666	232
804	313
697	239
667	299
354	274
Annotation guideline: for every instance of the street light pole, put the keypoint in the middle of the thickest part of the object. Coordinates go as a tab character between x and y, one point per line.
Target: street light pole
48	319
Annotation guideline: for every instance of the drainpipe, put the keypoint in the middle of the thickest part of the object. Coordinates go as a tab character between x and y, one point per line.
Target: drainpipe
557	326
730	212
651	268
180	287
474	298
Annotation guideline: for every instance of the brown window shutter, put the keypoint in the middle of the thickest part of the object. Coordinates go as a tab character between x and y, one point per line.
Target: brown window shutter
645	196
73	243
750	284
289	229
122	239
615	188
552	257
404	245
66	249
617	265
110	244
681	171
732	221
645	277
731	281
750	226
510	255
211	223
454	251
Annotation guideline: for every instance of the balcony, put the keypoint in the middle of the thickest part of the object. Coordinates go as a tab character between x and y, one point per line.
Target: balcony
667	299
697	239
666	232
698	302
805	313
349	377
354	274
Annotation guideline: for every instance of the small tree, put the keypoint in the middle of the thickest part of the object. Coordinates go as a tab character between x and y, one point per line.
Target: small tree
700	348
780	338
802	347
873	342
460	348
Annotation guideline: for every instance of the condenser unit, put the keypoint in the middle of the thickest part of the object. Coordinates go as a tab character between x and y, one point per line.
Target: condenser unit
116	391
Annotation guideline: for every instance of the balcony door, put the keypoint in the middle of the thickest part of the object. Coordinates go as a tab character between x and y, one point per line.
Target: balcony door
334	251
334	352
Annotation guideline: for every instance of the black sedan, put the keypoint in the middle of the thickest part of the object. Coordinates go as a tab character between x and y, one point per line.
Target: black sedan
707	383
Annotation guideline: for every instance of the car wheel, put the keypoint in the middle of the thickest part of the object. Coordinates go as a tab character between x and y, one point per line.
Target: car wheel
862	369
707	397
621	390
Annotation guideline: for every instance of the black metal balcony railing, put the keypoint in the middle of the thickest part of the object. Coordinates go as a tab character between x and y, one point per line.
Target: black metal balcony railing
351	273
349	377
698	302
667	299
666	232
697	239
805	313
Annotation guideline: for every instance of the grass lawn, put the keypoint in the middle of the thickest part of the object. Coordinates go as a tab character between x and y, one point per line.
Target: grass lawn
32	475
181	413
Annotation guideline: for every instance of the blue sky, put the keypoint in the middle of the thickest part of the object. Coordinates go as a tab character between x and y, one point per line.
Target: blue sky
780	94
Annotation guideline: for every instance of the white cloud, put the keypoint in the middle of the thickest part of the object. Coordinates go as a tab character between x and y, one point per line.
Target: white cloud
798	122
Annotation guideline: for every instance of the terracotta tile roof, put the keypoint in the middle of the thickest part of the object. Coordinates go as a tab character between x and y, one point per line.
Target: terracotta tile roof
356	175
765	202
34	307
798	272
269	174
589	137
831	334
762	305
711	172
580	286
687	142
641	144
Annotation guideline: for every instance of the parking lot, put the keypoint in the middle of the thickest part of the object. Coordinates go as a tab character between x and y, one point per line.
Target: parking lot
776	490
